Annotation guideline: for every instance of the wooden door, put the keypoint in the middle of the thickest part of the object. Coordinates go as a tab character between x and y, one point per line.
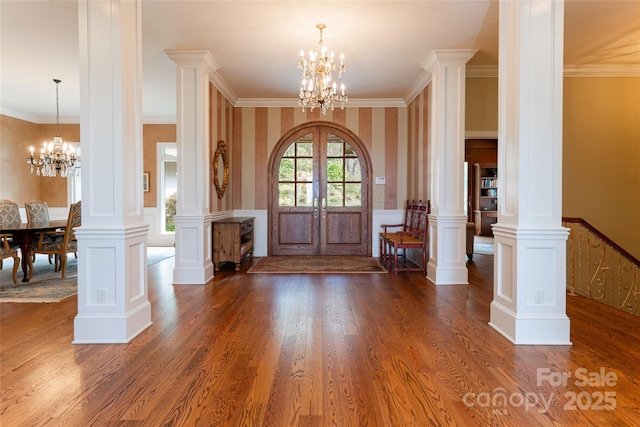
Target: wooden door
319	193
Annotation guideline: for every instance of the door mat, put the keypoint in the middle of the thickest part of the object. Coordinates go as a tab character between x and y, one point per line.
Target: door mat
317	264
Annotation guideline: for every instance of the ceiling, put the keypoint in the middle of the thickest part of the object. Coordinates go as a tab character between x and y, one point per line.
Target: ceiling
257	45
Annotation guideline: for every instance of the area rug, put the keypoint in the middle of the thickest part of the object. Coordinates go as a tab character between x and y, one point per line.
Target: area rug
317	264
47	286
483	245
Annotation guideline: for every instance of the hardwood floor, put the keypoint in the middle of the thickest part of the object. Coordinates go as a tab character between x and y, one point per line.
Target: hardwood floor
318	350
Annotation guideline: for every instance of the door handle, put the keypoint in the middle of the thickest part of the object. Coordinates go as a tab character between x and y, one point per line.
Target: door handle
324	204
315	204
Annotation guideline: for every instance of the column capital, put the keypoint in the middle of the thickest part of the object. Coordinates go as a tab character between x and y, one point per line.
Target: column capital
440	56
193	57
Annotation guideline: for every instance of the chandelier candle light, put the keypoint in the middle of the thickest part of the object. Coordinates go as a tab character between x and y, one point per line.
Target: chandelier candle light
318	89
55	156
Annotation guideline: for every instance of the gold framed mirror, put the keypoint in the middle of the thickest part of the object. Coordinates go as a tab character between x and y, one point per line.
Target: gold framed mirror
221	169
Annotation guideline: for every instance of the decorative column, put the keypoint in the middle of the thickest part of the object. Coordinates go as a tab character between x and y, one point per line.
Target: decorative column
113	303
193	263
529	292
447	222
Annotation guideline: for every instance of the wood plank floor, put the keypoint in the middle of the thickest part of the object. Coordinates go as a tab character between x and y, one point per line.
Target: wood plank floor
318	350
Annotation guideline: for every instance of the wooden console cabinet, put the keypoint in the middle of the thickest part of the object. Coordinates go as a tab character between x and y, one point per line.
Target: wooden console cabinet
232	240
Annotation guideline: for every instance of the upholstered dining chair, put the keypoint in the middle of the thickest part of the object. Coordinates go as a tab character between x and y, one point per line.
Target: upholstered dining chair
38	212
6	251
68	244
9	214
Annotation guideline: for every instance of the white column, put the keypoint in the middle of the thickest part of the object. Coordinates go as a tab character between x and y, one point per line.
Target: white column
529	305
193	263
113	304
447	222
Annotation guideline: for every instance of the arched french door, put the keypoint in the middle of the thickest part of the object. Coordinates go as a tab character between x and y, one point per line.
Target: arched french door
319	193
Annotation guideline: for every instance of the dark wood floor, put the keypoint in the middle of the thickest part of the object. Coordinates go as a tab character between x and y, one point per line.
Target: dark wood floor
318	350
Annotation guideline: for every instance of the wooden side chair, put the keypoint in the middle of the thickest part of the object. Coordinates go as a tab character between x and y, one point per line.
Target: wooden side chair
68	244
404	225
412	236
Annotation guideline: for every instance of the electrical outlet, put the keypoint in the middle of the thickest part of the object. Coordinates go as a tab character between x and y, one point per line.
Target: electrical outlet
379	198
380	180
102	296
539	296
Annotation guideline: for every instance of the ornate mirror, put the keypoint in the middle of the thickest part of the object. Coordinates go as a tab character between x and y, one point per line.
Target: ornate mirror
221	169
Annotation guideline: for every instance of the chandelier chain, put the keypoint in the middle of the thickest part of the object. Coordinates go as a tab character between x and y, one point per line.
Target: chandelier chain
56	157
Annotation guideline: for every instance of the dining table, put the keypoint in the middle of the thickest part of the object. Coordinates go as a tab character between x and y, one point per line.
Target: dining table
24	234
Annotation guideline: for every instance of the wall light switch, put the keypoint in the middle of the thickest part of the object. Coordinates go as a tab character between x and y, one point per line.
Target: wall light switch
380	180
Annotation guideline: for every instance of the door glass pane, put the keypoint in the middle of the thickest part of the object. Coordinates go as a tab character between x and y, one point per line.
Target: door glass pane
344	173
286	192
348	151
286	170
352	170
304	194
334	149
295	173
335	172
353	194
305	149
335	193
291	151
304	170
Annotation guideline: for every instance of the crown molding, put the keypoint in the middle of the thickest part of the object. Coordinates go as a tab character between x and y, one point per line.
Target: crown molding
456	56
569	71
19	115
418	86
602	70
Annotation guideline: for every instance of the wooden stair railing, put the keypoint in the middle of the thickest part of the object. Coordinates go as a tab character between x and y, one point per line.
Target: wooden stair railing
600	269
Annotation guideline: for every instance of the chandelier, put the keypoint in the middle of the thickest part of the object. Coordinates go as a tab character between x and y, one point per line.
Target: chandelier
56	157
318	88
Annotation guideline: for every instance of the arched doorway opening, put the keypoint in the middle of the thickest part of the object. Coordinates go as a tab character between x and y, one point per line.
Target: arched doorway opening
319	200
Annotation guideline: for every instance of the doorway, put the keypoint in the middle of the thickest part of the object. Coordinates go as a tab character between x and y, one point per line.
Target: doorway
319	193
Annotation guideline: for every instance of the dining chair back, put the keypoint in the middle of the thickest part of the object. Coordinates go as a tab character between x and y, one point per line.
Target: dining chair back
68	244
9	212
37	211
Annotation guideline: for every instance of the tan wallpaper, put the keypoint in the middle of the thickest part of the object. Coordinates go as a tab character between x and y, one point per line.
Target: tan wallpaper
16	182
151	135
601	156
481	104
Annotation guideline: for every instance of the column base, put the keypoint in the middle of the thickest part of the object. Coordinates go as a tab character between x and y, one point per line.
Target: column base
531	329
447	276
111	328
447	245
193	263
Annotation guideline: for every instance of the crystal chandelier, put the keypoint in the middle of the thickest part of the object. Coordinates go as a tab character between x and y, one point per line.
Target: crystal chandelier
318	89
56	157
